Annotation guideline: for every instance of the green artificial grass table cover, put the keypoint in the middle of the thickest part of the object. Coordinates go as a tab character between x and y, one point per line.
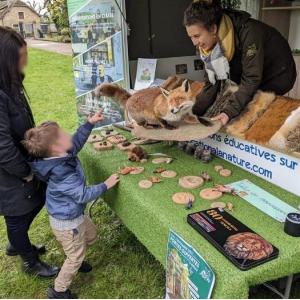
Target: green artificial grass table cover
150	214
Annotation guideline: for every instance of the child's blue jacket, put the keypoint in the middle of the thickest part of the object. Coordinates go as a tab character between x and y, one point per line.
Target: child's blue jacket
67	193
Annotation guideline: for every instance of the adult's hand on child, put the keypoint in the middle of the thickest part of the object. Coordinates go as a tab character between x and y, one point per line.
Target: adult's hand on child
112	181
222	117
97	117
28	178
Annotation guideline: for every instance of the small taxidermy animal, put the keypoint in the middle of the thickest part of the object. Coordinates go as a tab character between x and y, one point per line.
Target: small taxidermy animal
137	154
154	106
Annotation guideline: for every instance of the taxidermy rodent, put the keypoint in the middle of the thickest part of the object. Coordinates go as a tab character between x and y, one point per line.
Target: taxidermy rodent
153	106
137	154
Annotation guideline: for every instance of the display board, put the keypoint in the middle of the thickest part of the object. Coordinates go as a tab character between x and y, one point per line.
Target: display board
188	276
276	167
99	46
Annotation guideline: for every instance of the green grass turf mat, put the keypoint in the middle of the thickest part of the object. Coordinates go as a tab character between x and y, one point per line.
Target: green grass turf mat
149	214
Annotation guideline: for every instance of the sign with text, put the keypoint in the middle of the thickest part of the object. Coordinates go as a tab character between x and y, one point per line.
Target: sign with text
188	274
145	73
100	56
278	168
264	201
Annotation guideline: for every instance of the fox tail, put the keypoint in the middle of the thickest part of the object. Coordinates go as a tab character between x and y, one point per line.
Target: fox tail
113	91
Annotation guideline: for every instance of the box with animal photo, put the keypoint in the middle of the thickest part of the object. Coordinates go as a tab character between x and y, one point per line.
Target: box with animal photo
241	245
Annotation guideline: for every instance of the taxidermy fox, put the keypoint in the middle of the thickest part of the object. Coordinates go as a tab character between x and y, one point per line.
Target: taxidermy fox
153	106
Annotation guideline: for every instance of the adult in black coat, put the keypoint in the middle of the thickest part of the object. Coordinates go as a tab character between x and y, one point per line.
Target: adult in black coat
234	46
21	195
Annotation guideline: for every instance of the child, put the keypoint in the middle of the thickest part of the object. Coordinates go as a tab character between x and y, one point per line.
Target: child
67	194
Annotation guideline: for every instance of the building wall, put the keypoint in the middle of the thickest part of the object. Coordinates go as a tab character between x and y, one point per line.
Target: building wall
12	18
294	37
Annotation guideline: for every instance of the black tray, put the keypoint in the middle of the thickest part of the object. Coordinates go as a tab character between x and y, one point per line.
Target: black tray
241	245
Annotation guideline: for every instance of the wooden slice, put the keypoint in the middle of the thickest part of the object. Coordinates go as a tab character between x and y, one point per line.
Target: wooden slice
218	168
107	133
159	170
116	139
162	160
126	146
225	173
145	184
191	182
94	138
183	198
102	146
168	174
218	205
210	194
155	179
137	170
125	170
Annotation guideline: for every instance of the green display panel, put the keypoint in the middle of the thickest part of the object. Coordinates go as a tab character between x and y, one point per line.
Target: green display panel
97	35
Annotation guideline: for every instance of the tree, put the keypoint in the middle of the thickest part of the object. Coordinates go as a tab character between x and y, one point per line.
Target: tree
58	13
37	6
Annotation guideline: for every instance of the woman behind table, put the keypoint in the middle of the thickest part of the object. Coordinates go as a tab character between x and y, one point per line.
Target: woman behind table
234	46
21	196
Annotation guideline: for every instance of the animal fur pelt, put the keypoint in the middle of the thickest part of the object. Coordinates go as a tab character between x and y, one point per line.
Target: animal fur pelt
137	154
260	103
271	121
293	140
280	139
222	99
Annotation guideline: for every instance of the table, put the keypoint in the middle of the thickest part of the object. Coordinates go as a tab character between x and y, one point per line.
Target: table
149	214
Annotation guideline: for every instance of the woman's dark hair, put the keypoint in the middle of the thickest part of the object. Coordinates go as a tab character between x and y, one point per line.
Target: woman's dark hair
205	12
11	80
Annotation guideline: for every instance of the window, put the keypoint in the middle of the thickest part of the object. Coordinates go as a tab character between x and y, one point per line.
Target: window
21	15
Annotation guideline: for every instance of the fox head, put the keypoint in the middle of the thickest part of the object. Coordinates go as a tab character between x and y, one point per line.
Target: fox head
181	100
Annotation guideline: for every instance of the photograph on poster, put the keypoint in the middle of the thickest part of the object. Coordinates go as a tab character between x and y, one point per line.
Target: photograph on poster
89	103
101	64
94	23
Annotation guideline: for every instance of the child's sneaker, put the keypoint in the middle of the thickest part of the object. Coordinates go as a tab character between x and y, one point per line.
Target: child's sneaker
53	294
85	267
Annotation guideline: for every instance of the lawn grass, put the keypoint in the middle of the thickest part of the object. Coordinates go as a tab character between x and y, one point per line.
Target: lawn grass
123	268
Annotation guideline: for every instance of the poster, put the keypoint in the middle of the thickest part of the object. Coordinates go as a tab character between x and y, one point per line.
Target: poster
99	55
145	73
188	276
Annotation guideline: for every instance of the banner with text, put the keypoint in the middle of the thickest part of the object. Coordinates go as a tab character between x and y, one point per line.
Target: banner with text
278	168
97	33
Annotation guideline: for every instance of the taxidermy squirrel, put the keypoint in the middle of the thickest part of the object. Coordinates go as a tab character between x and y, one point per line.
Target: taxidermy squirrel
154	106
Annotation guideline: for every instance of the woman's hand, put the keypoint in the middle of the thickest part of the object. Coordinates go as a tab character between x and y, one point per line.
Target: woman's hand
97	117
222	117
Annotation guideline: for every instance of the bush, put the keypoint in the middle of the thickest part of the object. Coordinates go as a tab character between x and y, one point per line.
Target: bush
65	31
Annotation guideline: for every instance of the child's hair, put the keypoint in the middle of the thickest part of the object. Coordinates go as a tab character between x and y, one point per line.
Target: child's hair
38	140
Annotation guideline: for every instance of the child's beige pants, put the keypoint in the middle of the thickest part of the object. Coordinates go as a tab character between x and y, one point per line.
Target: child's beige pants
74	243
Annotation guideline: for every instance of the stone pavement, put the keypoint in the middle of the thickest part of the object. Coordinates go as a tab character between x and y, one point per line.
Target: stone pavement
61	48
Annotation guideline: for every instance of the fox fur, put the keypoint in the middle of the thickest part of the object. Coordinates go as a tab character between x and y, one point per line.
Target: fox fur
153	106
281	139
250	115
